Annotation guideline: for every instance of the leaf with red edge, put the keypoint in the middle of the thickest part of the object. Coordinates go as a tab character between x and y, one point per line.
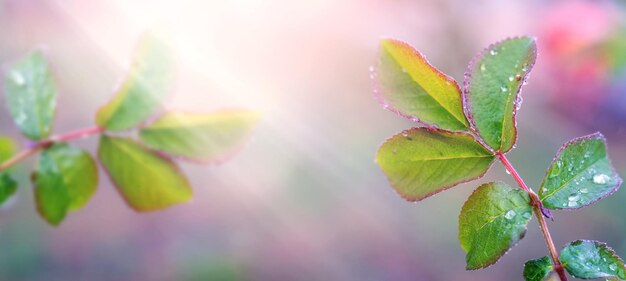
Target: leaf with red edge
408	85
421	161
492	87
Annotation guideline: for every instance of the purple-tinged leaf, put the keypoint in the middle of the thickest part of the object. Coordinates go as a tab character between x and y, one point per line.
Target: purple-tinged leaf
492	88
579	175
408	85
423	161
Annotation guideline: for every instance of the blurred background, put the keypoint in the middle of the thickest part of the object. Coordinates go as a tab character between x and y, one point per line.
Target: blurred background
304	200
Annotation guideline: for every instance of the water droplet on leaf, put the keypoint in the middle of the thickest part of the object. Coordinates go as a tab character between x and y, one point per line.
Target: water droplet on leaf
18	78
510	214
601	179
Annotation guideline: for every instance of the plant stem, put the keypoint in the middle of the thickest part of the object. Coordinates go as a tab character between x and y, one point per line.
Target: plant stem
537	206
24	154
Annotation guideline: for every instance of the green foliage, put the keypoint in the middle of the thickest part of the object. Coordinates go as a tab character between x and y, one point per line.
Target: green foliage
493	219
66	177
144	89
31	95
579	175
537	270
412	87
145	179
592	259
492	84
203	137
420	162
8	186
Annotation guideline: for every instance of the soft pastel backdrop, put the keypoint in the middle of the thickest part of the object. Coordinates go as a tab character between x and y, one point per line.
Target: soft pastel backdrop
304	200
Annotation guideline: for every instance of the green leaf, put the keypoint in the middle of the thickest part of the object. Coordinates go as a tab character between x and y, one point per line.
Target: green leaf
408	85
145	87
65	179
537	270
421	162
493	220
579	175
146	180
8	186
592	259
202	137
31	95
493	83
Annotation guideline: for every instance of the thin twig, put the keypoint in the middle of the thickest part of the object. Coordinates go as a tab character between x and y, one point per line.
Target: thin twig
537	206
24	154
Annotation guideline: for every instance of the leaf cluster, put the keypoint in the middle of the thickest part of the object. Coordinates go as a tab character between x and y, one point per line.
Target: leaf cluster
464	130
138	140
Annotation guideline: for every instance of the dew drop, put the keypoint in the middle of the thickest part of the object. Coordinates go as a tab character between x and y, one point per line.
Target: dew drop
526	215
482	67
518	77
584	190
613	267
572	204
507	172
601	179
573	197
504	89
493	52
405	133
511	78
18	78
510	214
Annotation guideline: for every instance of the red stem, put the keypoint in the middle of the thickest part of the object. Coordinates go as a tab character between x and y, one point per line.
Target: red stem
537	207
46	143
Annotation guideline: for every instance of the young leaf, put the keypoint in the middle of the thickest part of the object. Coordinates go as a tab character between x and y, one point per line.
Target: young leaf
492	84
8	186
493	220
537	270
580	174
31	95
592	259
146	180
421	162
144	89
202	137
65	179
411	87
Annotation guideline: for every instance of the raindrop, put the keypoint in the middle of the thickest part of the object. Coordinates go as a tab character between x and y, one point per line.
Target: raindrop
482	67
601	179
573	197
510	214
504	89
584	190
526	215
493	52
18	78
613	267
572	204
511	78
